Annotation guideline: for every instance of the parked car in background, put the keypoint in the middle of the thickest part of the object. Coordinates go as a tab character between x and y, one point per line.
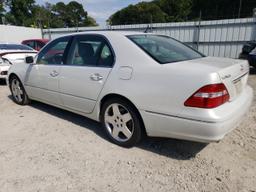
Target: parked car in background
4	66
13	54
252	58
36	44
137	83
249	53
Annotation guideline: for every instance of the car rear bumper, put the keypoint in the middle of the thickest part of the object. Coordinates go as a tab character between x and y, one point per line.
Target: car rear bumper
161	125
3	75
252	60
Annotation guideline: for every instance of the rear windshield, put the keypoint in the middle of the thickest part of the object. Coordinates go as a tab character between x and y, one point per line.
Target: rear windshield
14	47
164	49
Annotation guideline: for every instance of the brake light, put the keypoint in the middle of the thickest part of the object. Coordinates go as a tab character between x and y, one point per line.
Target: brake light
209	96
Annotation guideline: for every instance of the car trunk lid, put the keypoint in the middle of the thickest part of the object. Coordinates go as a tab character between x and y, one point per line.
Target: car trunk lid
233	73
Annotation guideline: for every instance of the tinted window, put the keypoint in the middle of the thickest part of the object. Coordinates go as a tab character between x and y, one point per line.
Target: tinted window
30	44
40	45
54	53
164	49
90	50
14	47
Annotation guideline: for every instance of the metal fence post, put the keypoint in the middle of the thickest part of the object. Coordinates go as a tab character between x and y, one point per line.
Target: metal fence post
196	39
253	36
42	32
49	33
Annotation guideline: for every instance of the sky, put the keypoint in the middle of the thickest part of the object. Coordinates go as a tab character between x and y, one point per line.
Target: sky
99	9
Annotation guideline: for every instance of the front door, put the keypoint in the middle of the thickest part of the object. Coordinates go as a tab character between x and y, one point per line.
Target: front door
89	63
42	80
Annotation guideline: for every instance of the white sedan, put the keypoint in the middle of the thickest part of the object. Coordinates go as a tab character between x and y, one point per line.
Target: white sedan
135	84
12	54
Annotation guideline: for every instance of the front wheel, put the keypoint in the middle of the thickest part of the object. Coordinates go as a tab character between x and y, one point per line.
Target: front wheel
19	94
121	122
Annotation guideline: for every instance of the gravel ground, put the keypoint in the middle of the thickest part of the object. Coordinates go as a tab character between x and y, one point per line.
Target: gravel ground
43	148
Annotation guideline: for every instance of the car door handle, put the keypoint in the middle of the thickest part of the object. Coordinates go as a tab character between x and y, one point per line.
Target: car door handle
96	77
54	73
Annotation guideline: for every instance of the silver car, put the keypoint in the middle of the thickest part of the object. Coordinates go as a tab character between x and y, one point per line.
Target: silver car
135	84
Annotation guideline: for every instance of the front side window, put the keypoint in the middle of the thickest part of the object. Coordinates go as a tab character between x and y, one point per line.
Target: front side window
164	49
54	53
90	50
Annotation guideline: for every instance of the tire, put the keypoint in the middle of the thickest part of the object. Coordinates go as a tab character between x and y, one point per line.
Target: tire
19	94
121	122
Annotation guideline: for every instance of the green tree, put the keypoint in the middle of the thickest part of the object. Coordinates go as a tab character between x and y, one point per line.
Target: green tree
70	15
58	13
21	12
76	16
90	21
221	9
182	10
175	10
2	11
139	13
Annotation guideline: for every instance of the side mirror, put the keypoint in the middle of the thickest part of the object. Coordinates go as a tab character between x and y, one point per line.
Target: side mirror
29	59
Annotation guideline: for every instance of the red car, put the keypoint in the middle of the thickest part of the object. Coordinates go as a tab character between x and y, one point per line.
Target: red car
36	44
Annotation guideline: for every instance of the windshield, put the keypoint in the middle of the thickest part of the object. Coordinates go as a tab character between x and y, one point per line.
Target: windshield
164	49
14	47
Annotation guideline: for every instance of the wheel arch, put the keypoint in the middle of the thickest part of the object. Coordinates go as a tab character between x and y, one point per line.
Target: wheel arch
11	76
114	95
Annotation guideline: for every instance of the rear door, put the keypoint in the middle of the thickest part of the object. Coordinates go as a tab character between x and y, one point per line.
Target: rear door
42	81
89	63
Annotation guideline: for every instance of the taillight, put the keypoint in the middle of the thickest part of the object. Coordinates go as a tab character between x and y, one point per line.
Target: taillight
209	96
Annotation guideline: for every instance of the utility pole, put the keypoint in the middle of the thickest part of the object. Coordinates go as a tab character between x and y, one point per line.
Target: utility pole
198	30
3	20
49	31
240	7
39	22
253	36
151	23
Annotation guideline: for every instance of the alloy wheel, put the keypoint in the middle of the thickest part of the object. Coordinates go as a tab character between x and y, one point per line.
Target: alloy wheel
17	91
119	123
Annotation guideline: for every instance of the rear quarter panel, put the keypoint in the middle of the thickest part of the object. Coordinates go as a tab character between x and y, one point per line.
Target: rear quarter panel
152	86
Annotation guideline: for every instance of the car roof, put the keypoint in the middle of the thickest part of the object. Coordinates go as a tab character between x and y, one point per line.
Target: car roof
123	33
42	40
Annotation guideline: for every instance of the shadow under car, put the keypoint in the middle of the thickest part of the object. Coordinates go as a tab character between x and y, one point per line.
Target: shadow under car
172	148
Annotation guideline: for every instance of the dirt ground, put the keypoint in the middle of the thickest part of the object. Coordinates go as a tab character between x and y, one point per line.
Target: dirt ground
43	148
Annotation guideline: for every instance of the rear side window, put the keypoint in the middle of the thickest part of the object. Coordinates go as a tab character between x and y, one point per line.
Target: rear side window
31	44
40	45
15	47
90	50
164	49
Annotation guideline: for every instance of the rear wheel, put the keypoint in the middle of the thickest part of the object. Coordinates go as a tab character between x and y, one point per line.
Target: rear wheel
19	94
121	122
